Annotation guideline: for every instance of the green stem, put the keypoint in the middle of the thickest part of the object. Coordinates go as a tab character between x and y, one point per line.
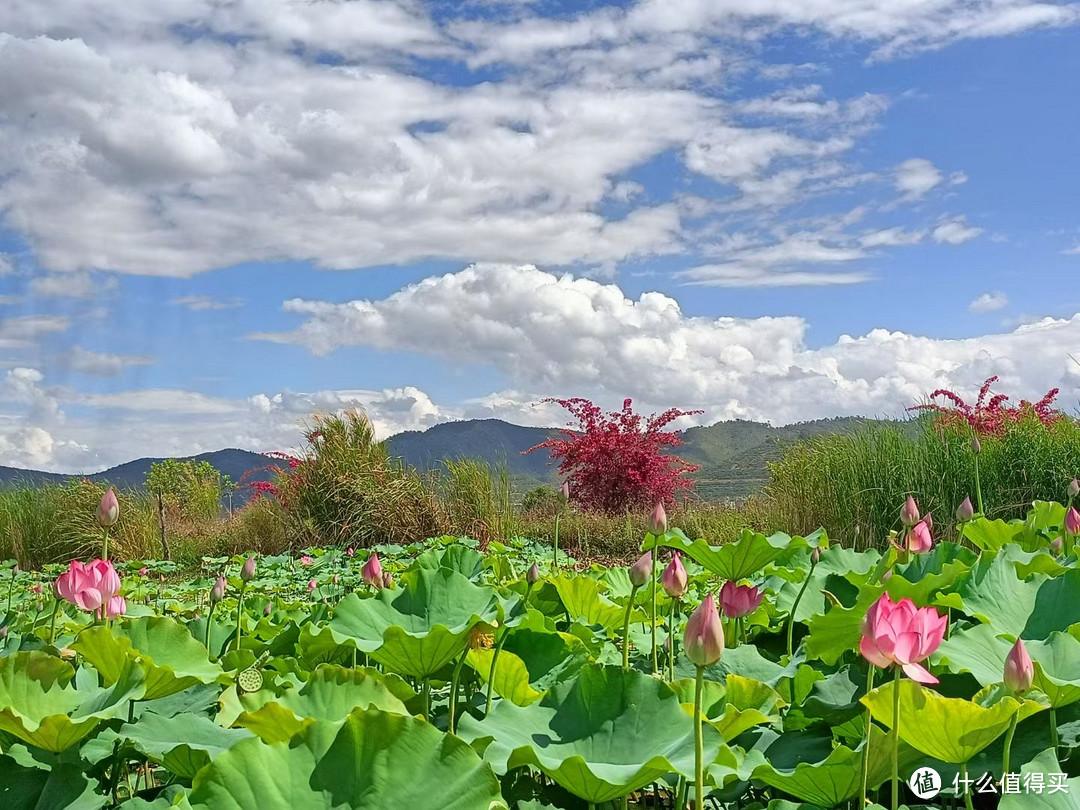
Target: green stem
239	610
52	622
1054	730
10	590
555	545
491	672
426	694
105	545
1008	743
626	629
896	741
967	786
978	487
866	745
209	621
699	748
795	605
652	613
454	680
671	640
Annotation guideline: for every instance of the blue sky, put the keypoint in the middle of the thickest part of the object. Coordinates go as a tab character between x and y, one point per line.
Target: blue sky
433	212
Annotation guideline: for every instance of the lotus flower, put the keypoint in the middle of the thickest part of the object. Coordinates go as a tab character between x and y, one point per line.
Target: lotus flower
115	606
372	572
108	509
918	539
144	571
88	586
247	573
532	576
641	570
1019	670
306	559
674	578
902	634
217	593
739	600
388	581
1072	521
36	587
909	515
658	519
310	585
965	511
703	641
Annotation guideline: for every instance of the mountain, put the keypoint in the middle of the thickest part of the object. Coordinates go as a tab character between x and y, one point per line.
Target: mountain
732	456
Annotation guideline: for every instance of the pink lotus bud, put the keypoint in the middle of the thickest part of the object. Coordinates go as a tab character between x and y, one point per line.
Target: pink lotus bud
372	572
1072	521
1019	671
965	511
36	587
909	515
217	593
335	579
900	633
1057	544
144	571
266	610
674	578
919	539
388	581
641	570
658	519
306	559
564	490
815	556
350	551
703	642
1074	488
976	445
247	573
532	576
116	606
108	510
311	585
739	600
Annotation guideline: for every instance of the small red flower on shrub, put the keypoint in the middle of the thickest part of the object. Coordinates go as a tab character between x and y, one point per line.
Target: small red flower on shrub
990	417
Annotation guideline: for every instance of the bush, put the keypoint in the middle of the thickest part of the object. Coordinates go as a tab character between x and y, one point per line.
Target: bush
854	485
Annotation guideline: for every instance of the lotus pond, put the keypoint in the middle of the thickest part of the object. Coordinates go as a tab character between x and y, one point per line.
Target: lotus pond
443	676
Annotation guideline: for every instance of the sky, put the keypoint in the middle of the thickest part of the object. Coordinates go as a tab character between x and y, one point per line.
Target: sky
219	217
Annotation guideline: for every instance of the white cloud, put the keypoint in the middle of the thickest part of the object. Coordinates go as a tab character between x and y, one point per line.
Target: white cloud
1073	251
891	237
101	364
204	303
955	231
917	176
989	302
7	264
24	331
70	285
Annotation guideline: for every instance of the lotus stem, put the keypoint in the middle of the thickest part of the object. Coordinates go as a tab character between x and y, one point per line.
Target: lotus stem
209	622
239	612
896	741
1054	730
491	672
978	487
11	587
699	747
866	745
671	640
967	786
52	622
555	545
652	612
454	681
795	604
1008	744
426	694
626	628
105	544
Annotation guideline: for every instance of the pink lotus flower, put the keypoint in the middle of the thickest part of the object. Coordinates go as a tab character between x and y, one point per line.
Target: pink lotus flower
310	585
703	641
902	634
739	600
658	519
116	606
1019	670
372	572
144	571
1072	521
641	570
918	539
674	578
306	559
108	509
88	586
350	551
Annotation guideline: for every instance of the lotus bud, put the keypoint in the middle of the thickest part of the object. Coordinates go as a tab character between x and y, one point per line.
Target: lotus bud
335	579
704	638
372	572
108	510
247	573
310	585
144	571
1057	544
266	610
39	606
36	587
1074	488
815	556
3	632
658	519
388	581
350	551
564	490
739	600
217	593
674	578
1072	521
532	576
965	511
641	570
1019	670
909	515
976	445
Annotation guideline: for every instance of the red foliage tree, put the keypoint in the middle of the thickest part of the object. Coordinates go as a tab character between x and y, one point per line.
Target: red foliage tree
989	417
615	461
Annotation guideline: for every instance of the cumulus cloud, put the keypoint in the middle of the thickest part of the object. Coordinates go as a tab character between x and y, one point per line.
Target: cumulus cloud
955	231
989	302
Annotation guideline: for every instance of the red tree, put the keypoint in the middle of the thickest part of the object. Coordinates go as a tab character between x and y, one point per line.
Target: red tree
615	461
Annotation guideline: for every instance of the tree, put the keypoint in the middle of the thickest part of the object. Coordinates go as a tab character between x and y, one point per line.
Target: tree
615	461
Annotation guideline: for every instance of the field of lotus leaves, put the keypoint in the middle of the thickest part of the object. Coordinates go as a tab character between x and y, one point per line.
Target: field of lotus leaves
772	671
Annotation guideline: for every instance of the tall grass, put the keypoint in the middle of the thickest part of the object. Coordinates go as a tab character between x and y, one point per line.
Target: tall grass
853	485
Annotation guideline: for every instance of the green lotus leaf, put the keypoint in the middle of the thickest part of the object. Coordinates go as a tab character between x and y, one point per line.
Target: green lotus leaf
466	561
744	660
417	629
836	563
318	645
511	675
742	558
991	535
583	600
372	760
172	660
1065	797
949	729
331	693
62	785
600	736
839	630
531	662
183	743
734	706
39	705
